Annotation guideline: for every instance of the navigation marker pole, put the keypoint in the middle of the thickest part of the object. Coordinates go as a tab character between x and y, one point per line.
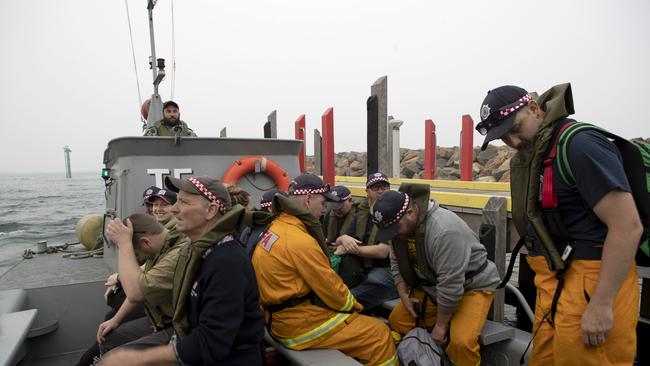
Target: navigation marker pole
66	154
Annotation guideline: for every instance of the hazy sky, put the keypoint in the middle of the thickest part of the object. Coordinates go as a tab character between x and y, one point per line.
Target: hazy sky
67	74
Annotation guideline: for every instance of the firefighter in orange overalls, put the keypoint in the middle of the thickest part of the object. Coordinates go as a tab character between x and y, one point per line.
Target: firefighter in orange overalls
307	305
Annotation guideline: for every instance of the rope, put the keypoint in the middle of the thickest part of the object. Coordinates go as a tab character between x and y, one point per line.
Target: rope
173	52
135	65
63	248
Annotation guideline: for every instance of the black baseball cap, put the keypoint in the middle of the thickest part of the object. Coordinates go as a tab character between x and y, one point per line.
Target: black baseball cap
342	192
311	184
170	103
376	178
386	213
498	111
267	197
147	193
165	195
210	188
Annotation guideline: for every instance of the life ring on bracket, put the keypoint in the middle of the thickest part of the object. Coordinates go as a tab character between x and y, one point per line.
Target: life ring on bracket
257	163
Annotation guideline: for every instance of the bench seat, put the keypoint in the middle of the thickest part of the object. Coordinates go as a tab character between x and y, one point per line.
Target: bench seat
312	357
14	328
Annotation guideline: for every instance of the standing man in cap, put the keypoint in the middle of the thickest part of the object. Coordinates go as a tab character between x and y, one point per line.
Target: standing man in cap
306	303
171	124
587	299
361	240
217	318
453	281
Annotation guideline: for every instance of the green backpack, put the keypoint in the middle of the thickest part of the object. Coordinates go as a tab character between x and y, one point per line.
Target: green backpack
636	163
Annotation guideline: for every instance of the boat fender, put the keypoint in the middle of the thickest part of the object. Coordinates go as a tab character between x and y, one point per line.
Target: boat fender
89	228
257	164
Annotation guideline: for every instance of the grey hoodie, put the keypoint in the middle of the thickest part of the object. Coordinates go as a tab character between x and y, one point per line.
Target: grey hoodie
450	250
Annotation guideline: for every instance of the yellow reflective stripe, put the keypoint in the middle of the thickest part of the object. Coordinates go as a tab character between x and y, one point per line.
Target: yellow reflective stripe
316	332
348	303
391	361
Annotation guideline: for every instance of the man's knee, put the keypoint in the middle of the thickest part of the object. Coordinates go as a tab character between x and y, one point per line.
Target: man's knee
400	320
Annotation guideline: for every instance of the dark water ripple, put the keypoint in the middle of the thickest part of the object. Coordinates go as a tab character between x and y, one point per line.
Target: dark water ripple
44	206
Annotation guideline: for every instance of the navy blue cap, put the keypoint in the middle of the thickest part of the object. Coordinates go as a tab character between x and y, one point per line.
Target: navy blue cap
267	197
342	192
498	111
165	195
148	192
311	184
387	211
376	178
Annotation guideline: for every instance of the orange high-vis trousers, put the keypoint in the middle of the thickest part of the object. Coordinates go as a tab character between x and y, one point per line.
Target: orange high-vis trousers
465	325
563	345
364	338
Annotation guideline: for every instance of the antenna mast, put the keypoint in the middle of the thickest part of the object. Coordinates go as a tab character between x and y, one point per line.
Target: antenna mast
158	70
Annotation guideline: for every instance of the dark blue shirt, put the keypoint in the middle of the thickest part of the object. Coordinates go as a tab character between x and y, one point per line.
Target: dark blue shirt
597	167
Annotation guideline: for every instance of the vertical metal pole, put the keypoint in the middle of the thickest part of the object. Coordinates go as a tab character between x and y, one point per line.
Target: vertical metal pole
299	129
466	148
380	90
273	124
394	126
155	107
318	155
66	155
328	146
429	149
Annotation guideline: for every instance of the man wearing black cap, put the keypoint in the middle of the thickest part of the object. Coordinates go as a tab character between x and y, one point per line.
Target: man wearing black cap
581	235
266	203
217	318
162	201
361	240
339	215
307	304
171	124
452	280
145	199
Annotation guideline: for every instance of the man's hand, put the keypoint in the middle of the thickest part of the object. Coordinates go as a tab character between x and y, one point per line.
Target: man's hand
350	244
409	304
596	324
111	281
119	233
105	328
439	333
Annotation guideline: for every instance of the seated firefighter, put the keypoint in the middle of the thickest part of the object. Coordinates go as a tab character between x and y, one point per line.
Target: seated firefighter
217	318
140	237
306	304
171	124
364	248
441	270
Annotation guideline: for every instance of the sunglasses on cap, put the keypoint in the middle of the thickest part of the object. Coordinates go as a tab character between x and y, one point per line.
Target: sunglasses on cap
499	115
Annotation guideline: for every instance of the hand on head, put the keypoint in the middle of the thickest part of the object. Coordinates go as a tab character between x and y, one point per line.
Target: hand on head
119	233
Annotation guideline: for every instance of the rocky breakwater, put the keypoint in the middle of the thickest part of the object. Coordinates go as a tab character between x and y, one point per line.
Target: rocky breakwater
491	165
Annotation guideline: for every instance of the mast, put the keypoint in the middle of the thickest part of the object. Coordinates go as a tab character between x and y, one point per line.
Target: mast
158	71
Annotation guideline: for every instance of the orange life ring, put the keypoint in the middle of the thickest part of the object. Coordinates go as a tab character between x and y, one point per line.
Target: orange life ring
267	166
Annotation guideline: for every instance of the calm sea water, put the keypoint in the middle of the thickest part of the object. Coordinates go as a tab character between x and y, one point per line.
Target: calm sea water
44	206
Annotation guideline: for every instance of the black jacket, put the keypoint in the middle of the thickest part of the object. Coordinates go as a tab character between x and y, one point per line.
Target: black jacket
226	323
